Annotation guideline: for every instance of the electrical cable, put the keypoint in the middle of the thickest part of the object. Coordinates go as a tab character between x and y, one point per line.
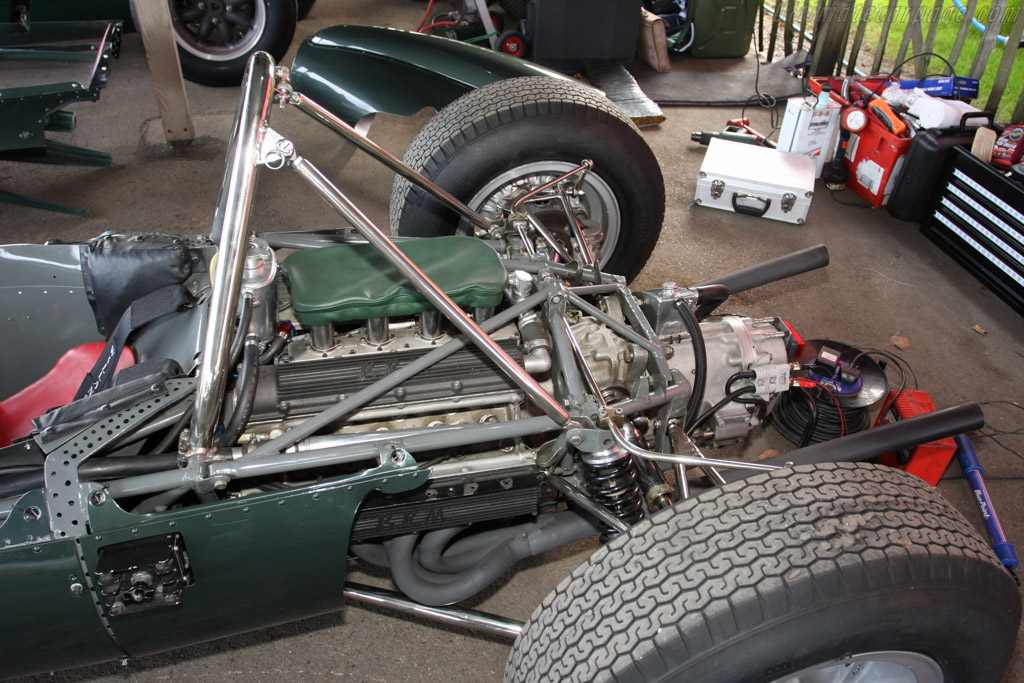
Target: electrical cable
812	418
765	101
480	38
756	401
430	6
886	83
792	414
435	25
900	363
993	433
835	401
749	389
857	205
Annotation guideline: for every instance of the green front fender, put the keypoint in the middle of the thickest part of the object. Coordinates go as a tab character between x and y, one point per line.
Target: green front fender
354	71
256	561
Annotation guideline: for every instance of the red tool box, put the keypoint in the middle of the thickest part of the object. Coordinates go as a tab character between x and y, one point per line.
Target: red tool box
874	154
927	461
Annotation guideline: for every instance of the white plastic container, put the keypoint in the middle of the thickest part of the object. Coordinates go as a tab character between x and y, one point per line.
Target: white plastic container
757	181
809	128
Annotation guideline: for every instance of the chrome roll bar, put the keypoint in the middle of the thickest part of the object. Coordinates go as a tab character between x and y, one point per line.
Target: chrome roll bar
230	231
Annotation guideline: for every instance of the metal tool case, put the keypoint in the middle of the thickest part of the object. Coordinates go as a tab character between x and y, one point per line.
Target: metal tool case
757	181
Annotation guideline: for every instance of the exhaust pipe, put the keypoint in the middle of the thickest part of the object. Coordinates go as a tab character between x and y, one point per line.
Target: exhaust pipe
876	442
780	268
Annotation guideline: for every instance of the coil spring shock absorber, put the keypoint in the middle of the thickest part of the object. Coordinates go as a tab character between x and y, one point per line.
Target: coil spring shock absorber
613	482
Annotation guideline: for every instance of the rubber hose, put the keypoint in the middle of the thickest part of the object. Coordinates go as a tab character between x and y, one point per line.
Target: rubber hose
171	438
429	588
710	297
247	380
92	470
273	350
700	364
244	318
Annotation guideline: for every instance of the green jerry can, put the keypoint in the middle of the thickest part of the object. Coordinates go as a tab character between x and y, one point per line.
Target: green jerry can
722	28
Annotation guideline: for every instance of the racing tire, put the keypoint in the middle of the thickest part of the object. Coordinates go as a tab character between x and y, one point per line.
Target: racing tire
217	53
515	10
794	575
536	128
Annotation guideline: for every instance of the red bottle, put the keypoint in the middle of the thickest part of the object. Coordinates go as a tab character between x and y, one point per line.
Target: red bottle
1010	146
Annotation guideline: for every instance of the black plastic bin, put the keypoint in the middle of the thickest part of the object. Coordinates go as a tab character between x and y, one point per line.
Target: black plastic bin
918	182
567	35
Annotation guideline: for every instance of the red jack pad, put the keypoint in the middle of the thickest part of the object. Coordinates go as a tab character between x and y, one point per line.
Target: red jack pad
927	461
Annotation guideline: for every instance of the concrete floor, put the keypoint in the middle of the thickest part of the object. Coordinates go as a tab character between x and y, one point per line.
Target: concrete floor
885	279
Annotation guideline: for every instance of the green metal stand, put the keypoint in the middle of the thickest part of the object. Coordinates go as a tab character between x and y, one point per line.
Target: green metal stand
22	200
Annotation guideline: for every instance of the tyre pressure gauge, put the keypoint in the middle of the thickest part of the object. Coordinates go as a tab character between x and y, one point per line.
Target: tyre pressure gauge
854	119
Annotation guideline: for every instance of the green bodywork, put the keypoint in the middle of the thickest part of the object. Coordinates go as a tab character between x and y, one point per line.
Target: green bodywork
355	71
75	58
258	560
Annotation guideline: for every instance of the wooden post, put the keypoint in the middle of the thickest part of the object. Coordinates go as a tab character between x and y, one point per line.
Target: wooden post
154	19
988	38
858	38
1006	64
890	14
961	35
833	33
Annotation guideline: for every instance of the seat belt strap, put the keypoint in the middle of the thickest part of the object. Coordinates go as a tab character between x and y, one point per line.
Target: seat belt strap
141	312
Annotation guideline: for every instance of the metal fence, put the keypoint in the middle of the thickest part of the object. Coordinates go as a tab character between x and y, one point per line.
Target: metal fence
835	30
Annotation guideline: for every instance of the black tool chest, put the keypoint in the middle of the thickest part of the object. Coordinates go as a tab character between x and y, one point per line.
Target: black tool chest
978	218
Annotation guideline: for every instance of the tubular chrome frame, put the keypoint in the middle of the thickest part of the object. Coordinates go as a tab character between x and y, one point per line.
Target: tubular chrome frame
231	228
254	144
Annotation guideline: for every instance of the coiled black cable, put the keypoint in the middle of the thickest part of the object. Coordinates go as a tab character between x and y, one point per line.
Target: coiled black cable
809	416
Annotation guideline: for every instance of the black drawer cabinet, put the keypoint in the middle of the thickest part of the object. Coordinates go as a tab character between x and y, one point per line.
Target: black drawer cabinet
978	219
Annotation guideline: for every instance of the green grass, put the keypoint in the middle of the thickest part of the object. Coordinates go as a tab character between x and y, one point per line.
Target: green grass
949	24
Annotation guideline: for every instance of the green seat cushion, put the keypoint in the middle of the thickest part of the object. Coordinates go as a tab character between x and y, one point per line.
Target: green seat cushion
354	282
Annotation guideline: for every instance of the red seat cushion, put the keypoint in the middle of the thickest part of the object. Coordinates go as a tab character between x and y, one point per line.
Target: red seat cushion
55	388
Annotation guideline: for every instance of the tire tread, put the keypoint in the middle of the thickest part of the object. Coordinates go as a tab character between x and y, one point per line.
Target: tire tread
712	563
486	109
